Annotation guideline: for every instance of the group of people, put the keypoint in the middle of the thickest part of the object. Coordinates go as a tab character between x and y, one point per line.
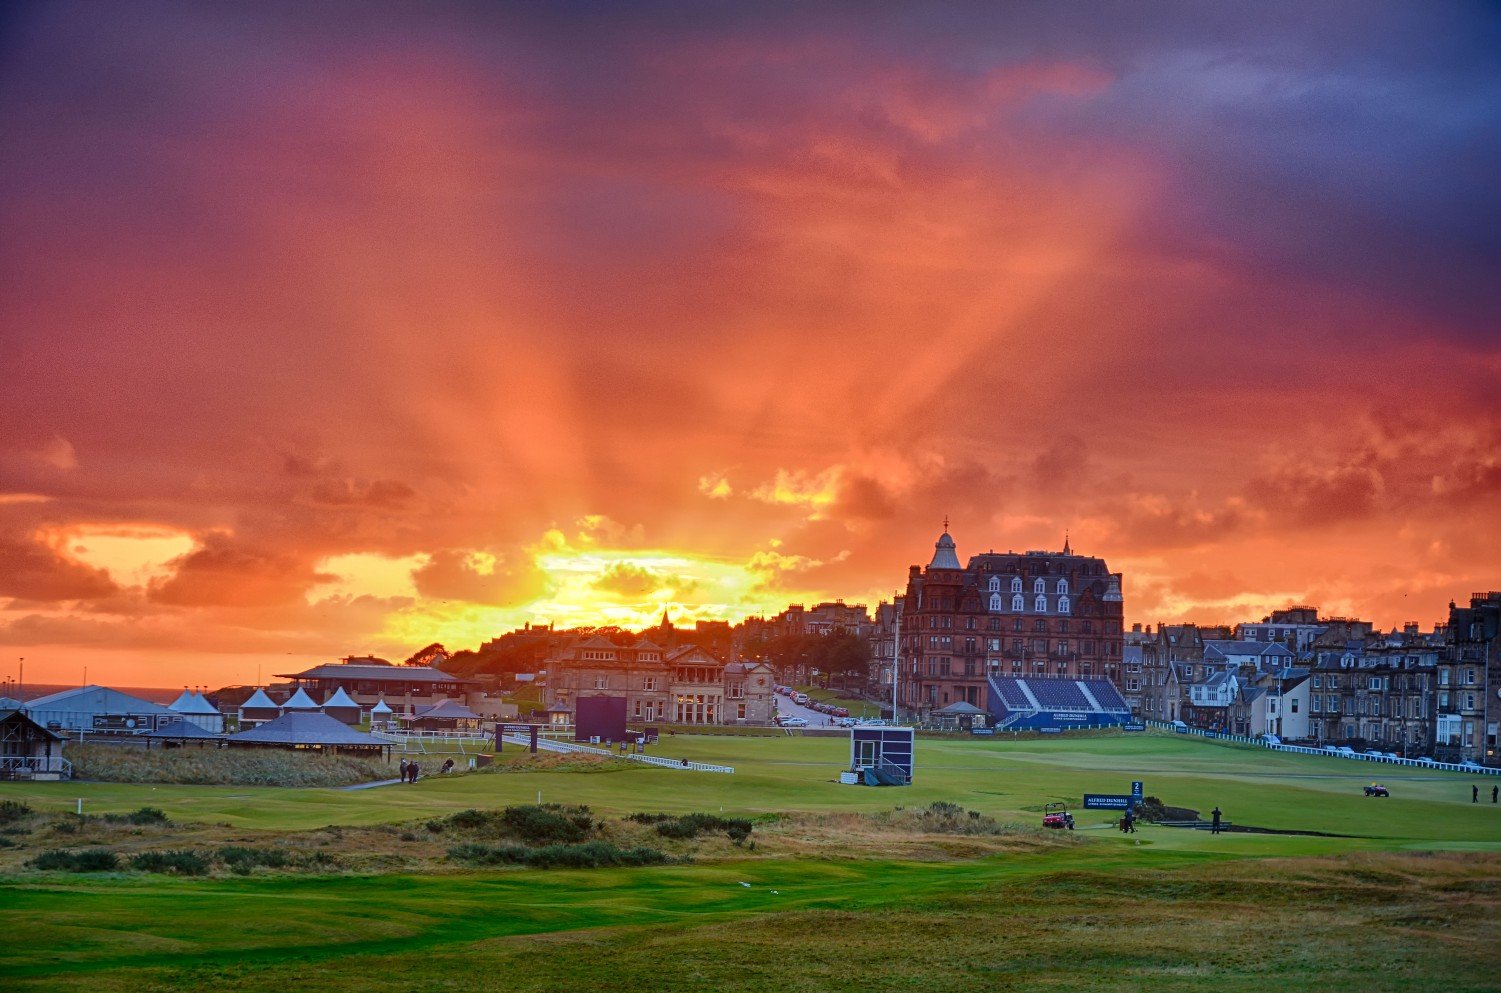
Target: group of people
409	771
1475	793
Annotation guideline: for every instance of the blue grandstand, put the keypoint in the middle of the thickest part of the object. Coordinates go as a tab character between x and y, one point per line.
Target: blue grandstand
1034	704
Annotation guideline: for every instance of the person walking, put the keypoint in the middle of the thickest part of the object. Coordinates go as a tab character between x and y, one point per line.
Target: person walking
1495	791
1214	828
1129	821
403	770
412	770
1474	794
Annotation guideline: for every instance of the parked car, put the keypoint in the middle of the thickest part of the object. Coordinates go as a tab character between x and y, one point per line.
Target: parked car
1376	789
1471	764
793	722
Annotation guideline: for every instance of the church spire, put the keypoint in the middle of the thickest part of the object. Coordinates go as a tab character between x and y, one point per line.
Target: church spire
1066	549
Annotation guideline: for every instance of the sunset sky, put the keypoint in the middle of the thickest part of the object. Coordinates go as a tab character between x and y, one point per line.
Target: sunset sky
333	330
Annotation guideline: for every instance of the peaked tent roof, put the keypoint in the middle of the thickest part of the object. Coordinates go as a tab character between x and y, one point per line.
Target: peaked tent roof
96	698
305	728
299	701
11	703
960	708
340	699
447	709
197	704
180	729
182	703
380	708
259	700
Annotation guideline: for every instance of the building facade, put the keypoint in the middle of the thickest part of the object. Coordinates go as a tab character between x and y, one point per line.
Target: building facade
686	685
1033	613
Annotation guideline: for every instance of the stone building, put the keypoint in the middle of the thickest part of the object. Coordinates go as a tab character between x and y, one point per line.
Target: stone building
686	685
1033	613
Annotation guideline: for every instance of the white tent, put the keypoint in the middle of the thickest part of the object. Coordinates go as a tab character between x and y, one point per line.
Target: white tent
299	701
259	707
342	707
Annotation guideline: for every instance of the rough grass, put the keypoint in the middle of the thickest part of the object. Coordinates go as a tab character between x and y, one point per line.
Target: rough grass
1071	920
222	766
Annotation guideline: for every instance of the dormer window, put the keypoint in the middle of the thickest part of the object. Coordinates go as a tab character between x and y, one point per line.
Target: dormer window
995	584
1062	604
1017	605
1062	586
1016	586
1039	586
995	601
1042	604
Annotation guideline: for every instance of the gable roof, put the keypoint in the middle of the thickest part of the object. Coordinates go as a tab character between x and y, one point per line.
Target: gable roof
960	708
8	714
368	672
305	728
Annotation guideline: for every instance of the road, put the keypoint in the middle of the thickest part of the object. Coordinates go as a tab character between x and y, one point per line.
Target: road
786	708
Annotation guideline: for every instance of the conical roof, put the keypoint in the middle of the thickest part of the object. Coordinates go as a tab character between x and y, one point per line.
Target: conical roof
198	705
260	701
944	555
300	701
381	707
182	703
340	699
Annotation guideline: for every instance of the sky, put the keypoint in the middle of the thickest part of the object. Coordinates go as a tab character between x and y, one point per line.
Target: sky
339	329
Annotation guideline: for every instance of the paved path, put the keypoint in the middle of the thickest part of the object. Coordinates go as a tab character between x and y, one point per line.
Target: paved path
369	786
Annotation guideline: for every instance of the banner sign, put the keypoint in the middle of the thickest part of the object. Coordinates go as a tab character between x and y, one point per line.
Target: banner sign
1106	801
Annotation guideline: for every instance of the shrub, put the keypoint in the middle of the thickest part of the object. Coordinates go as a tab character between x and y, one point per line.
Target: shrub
692	825
178	862
490	854
549	823
145	815
593	855
240	860
12	811
88	860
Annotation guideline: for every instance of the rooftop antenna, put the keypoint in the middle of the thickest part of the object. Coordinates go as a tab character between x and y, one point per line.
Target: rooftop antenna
945	523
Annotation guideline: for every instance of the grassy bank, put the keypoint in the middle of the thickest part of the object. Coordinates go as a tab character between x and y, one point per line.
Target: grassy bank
222	766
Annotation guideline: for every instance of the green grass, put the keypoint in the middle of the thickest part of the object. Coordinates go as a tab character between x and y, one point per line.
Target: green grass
854	705
1167	909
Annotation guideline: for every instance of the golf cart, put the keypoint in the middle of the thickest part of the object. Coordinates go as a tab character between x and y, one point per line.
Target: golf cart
1056	816
1375	789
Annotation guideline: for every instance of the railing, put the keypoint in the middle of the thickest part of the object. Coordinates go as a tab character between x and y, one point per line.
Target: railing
29	767
657	760
1326	752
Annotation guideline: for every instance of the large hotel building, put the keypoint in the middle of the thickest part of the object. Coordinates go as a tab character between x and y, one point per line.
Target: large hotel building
1005	614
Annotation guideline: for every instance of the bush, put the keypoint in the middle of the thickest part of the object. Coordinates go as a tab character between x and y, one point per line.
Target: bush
692	825
589	855
88	860
549	823
490	854
179	862
240	860
593	855
12	811
145	815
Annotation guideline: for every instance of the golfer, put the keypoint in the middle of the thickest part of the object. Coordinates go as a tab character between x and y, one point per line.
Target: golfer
1215	827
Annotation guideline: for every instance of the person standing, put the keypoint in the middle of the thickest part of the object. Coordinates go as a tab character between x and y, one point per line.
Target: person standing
1495	791
1214	828
1474	794
403	770
412	770
1130	820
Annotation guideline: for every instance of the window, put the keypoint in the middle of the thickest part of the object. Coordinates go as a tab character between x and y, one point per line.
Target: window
1293	705
1062	647
995	584
1063	605
740	711
1063	627
1039	625
649	684
1016	624
993	644
1016	584
995	601
1469	677
601	682
993	624
1016	665
1041	605
1016	644
1062	586
1039	587
1016	604
969	624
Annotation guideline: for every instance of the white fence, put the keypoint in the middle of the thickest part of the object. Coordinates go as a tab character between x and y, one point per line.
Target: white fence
1325	752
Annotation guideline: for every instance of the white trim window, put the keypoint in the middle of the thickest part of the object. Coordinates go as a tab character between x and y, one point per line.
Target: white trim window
1039	586
1063	605
1041	604
1017	605
1016	584
995	601
1062	586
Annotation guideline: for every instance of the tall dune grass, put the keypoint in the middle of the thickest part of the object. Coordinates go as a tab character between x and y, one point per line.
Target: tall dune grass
222	766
